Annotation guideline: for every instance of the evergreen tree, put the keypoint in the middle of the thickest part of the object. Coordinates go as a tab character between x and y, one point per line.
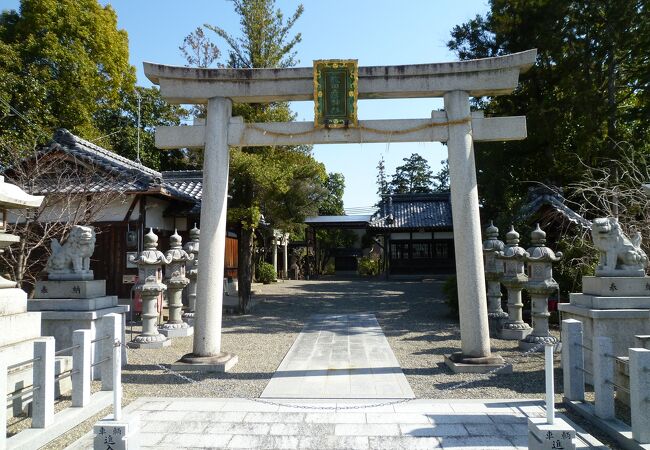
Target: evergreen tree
414	176
589	90
61	63
441	178
282	183
382	181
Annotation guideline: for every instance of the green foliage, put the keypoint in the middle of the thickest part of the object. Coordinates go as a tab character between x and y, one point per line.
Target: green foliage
120	123
266	273
368	266
383	187
61	63
414	176
284	184
579	259
330	268
587	92
441	178
332	202
265	40
450	291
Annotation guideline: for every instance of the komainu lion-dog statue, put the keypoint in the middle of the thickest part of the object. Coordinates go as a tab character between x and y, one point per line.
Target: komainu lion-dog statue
619	255
71	260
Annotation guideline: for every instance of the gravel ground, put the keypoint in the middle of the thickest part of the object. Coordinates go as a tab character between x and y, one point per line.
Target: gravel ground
412	314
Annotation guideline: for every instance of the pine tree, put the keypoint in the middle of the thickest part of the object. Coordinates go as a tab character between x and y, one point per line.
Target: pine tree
382	181
414	176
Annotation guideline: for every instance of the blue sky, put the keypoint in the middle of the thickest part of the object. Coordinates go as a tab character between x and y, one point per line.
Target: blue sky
376	32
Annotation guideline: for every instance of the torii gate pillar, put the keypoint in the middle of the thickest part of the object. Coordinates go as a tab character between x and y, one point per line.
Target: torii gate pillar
472	302
206	351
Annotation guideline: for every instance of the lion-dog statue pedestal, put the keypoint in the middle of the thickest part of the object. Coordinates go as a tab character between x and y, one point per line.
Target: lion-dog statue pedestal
71	299
616	302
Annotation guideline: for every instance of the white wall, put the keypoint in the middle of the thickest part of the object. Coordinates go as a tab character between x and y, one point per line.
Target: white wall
154	216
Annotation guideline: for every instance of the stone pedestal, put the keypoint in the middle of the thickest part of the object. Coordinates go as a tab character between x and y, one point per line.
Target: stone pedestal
543	436
458	364
60	317
19	330
60	289
116	435
150	337
613	307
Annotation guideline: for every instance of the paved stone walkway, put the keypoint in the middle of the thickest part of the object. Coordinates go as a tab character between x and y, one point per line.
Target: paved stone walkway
182	423
340	356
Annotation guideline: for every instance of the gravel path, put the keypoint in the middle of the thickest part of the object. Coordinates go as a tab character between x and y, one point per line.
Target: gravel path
412	314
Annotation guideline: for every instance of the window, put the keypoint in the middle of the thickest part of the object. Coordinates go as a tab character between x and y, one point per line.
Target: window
421	250
399	250
441	250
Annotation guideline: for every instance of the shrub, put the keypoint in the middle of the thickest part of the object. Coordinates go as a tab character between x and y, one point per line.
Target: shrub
368	267
266	273
330	268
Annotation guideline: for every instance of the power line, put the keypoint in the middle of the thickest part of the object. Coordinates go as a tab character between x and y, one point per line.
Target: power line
22	116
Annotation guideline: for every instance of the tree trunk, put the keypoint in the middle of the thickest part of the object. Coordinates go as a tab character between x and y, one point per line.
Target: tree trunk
245	269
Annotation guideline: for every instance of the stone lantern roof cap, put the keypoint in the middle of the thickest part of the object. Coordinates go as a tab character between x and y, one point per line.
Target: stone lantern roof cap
150	240
195	233
538	237
175	240
11	196
492	243
512	237
491	231
539	252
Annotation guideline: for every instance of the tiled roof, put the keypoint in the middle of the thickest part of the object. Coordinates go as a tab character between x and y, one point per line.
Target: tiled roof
116	173
106	159
413	211
189	182
540	197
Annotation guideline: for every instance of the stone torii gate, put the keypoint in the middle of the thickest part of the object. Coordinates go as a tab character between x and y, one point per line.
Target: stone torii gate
456	82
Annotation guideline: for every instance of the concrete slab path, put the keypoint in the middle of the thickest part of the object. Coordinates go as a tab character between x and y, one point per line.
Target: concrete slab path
183	423
340	356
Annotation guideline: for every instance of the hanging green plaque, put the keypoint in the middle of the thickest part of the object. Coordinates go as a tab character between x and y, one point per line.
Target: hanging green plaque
335	93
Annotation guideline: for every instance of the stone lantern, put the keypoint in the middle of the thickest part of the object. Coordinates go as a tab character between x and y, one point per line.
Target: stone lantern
192	272
493	272
150	286
12	197
176	281
540	285
514	279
